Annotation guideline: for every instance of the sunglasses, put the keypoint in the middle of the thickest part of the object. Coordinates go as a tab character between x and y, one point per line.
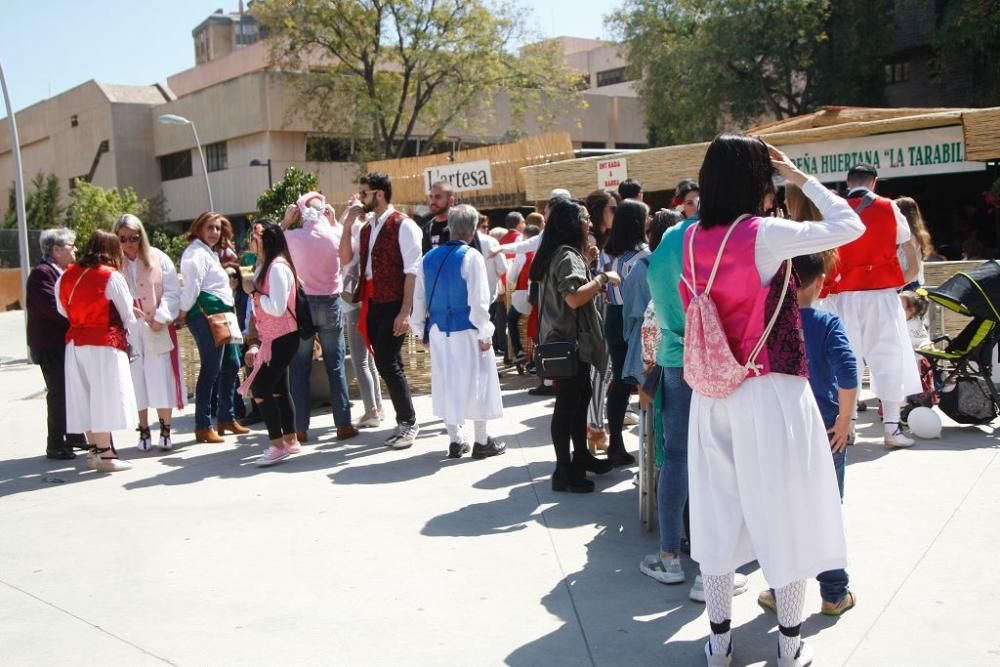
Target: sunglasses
128	239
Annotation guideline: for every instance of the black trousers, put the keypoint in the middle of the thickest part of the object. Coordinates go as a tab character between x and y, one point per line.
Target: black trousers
388	358
569	416
53	365
270	387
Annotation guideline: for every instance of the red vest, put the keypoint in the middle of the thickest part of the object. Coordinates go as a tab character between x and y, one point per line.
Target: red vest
522	277
869	262
387	262
93	319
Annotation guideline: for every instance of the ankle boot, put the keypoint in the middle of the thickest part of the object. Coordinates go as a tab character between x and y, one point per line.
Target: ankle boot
584	461
618	457
566	478
165	444
232	427
207	435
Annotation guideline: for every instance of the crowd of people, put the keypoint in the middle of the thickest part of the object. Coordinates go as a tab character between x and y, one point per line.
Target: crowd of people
741	321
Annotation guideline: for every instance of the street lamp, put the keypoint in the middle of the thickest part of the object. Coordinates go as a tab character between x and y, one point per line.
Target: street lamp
172	119
258	163
22	218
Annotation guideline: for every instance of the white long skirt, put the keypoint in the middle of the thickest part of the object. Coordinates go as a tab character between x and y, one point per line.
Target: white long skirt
464	382
762	483
99	393
876	327
153	376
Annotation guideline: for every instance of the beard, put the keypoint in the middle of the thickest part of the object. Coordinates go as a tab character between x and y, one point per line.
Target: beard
368	208
438	211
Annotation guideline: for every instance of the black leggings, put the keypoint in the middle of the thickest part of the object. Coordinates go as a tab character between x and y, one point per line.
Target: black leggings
270	387
569	417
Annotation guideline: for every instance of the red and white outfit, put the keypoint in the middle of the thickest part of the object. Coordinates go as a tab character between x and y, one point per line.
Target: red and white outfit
99	393
156	363
520	270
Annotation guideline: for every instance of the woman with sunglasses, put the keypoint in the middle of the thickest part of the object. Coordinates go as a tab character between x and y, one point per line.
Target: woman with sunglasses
156	363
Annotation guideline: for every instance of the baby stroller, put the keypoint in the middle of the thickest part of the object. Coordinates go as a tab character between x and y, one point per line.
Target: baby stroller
963	369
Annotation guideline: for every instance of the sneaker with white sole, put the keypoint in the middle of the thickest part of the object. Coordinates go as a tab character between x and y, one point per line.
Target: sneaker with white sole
664	571
293	447
740	585
271	456
802	658
398	431
895	438
631	418
369	421
716	660
407	435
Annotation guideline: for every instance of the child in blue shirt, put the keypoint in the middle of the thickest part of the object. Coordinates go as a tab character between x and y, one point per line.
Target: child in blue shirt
833	378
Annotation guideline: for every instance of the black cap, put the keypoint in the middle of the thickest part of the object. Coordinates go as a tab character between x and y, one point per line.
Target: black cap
862	168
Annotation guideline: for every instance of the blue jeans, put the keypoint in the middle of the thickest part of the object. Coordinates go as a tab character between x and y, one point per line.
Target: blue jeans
833	583
217	363
672	494
327	317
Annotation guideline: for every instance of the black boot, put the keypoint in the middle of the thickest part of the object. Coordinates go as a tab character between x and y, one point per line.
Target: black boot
587	462
568	478
620	458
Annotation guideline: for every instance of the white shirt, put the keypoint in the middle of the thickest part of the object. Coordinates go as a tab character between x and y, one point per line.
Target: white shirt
525	246
202	272
116	292
779	239
279	287
410	242
474	272
495	266
169	306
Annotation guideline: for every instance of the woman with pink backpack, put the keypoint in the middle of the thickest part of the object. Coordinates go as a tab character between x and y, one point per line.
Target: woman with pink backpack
760	481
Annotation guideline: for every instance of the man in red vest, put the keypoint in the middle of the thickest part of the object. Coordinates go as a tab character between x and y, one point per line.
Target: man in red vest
514	222
390	250
862	291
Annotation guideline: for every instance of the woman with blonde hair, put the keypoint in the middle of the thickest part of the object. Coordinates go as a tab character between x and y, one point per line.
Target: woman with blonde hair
206	292
93	295
156	364
920	238
801	207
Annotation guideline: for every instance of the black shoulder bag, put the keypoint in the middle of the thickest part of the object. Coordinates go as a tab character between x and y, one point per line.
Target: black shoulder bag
559	359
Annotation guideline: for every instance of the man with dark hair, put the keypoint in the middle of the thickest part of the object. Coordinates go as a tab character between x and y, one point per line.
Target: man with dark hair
514	222
630	189
440	199
390	254
862	292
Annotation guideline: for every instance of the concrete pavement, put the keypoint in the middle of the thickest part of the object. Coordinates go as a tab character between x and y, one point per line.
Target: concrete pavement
354	554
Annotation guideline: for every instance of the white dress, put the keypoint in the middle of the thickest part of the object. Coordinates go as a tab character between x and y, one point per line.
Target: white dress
154	374
761	478
99	393
464	382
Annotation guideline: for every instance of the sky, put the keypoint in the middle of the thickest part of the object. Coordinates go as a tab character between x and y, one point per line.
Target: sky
50	46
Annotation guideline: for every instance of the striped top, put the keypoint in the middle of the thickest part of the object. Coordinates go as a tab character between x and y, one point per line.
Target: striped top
622	266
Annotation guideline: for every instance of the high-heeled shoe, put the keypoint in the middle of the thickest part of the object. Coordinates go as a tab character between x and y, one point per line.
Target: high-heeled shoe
590	463
233	427
110	463
165	444
145	439
566	478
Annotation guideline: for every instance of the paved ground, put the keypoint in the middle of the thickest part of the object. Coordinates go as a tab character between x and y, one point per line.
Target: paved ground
355	554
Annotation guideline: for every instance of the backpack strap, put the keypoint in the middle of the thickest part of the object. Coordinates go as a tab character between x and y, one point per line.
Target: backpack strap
718	256
751	364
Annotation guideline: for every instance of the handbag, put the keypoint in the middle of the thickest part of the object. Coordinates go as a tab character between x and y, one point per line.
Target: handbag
558	359
302	314
352	278
218	326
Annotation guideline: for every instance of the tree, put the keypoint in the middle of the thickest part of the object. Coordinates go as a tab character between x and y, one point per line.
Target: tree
92	207
968	43
41	203
724	64
390	71
273	202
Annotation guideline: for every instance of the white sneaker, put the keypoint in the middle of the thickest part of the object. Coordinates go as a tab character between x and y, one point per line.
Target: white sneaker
408	433
391	440
370	421
664	571
895	438
631	418
803	658
740	585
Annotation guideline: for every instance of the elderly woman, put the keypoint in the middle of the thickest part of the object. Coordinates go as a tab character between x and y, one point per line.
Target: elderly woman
94	297
47	336
156	363
451	309
206	292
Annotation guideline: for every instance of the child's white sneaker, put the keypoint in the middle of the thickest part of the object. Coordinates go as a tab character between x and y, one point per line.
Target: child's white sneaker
895	438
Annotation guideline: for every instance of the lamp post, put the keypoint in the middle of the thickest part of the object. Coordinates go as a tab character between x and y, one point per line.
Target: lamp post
258	163
172	119
22	218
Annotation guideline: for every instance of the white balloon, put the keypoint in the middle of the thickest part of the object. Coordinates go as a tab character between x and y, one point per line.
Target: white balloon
924	423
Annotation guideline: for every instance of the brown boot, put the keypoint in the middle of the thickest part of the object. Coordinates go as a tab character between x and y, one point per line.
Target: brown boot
233	427
346	432
302	436
207	435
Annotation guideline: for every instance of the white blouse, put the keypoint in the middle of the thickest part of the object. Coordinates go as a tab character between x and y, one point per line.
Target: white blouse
280	280
202	272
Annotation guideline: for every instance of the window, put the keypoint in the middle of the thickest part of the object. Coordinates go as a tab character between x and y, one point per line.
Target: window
217	156
897	72
246	33
73	180
74	121
628	146
320	148
610	77
175	165
593	144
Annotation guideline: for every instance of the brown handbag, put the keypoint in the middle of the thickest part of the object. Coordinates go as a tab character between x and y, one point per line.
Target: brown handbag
218	326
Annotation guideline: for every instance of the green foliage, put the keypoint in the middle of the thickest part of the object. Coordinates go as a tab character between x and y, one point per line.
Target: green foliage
167	241
273	202
712	65
968	43
92	207
409	68
41	203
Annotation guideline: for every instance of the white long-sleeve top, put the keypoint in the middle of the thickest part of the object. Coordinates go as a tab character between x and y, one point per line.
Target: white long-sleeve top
525	246
116	291
410	242
169	306
779	239
516	267
202	272
496	266
477	287
280	280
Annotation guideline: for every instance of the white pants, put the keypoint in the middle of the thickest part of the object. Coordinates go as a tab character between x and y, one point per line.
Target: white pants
99	393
